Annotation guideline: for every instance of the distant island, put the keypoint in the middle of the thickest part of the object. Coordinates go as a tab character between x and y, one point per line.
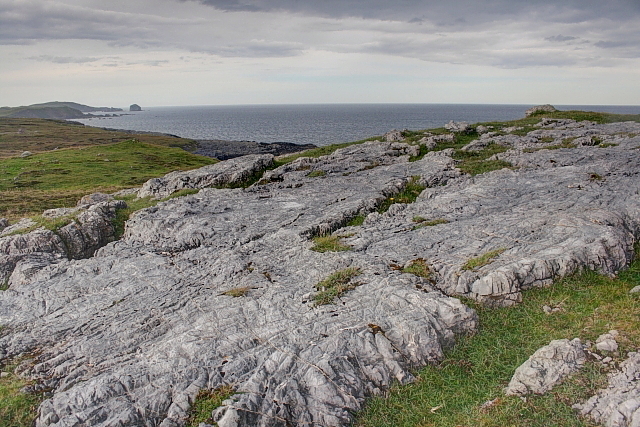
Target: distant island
54	110
135	107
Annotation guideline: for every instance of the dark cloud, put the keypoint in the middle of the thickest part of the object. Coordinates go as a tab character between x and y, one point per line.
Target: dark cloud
439	11
561	38
257	49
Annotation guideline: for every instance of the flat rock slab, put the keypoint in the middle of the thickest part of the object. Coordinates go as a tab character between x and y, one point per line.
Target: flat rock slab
130	336
547	367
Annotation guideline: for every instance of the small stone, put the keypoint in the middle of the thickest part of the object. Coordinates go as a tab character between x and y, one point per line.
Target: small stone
635	290
547	309
607	345
607	359
26	154
4	374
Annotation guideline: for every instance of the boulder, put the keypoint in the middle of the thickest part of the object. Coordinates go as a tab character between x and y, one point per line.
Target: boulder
547	108
459	127
26	154
547	367
229	172
95	198
393	136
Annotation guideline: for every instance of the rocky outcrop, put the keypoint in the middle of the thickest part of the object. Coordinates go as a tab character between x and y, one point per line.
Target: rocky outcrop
230	172
130	335
22	255
225	150
135	107
458	127
547	367
547	108
618	405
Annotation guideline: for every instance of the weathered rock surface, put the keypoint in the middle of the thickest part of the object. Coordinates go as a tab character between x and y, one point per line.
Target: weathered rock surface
130	335
4	223
618	405
458	127
547	367
547	108
229	172
24	254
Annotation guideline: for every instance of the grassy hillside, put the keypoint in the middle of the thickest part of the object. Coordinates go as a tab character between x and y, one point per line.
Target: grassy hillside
37	135
59	178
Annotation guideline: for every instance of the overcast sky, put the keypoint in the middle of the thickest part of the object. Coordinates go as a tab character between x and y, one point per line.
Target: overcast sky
212	52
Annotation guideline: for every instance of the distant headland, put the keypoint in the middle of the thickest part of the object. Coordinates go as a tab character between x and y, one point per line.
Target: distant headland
55	110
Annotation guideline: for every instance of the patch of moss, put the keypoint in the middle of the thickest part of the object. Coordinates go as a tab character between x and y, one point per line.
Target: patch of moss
418	267
206	402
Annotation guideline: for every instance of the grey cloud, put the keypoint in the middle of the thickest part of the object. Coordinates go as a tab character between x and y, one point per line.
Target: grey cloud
438	11
27	20
257	49
561	38
64	59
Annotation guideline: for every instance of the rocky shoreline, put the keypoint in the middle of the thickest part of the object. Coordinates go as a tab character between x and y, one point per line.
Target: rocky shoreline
219	288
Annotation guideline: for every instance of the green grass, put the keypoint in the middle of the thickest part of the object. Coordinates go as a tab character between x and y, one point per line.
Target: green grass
356	220
482	260
16	409
60	178
408	194
480	366
40	135
329	244
476	162
418	267
205	403
316	173
423	222
336	285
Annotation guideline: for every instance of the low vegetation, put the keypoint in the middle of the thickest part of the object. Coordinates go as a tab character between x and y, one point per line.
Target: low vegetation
423	222
482	260
237	292
465	389
17	409
329	244
206	402
60	178
40	135
336	285
408	194
418	267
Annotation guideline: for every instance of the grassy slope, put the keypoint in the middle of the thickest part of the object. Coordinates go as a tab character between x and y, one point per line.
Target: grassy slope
59	178
37	135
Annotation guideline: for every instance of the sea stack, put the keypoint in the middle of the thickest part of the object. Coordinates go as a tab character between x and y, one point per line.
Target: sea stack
135	107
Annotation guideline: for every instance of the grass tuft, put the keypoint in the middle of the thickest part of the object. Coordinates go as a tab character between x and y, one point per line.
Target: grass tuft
418	267
408	194
237	292
316	173
482	260
329	244
206	402
423	222
336	285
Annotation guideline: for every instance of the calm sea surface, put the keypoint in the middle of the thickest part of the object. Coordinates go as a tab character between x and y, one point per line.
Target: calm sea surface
319	124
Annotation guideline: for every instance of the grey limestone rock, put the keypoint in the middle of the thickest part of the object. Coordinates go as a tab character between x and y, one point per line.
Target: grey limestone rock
547	108
618	405
26	154
393	136
635	290
547	367
23	224
458	127
91	229
607	342
130	335
233	171
4	223
94	198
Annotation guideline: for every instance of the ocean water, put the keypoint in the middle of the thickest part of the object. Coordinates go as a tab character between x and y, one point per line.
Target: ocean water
319	124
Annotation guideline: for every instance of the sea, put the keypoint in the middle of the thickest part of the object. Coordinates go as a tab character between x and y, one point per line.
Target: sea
319	124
